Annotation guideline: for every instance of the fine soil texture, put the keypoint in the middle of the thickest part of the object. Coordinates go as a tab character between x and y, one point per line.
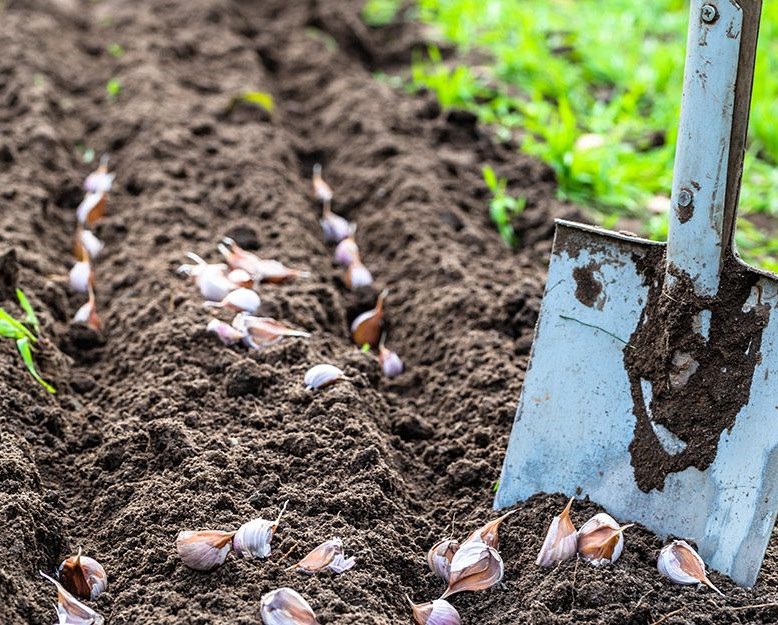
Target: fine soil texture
157	427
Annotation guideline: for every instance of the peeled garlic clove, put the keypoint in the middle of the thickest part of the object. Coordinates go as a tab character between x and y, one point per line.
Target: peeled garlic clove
358	276
489	533
91	209
321	190
262	332
87	313
320	376
440	555
561	541
238	300
601	540
475	566
327	556
346	252
204	550
252	540
81	277
681	564
438	612
286	607
83	576
366	328
335	227
70	611
390	362
226	333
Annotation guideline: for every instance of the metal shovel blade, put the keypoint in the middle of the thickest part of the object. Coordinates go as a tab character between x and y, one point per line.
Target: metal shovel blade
651	386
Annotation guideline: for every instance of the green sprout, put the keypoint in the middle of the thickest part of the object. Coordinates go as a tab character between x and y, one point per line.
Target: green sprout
365	347
113	88
495	486
503	207
115	50
260	99
20	332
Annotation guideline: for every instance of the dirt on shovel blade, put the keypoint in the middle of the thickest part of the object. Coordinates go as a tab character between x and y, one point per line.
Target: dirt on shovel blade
157	427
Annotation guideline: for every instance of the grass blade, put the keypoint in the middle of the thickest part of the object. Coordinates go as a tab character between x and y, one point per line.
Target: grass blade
23	345
31	318
18	327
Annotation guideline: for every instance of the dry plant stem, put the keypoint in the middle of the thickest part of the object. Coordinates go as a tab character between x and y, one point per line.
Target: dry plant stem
755	606
667	616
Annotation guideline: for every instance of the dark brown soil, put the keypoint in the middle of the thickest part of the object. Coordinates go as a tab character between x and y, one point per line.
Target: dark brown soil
157	427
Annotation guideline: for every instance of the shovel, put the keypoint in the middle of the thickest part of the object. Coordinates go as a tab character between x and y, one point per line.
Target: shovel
652	386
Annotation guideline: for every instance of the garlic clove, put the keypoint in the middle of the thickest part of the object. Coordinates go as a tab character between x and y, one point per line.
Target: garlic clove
91	209
70	611
86	245
241	299
335	227
601	540
366	329
262	332
83	576
475	566
252	540
681	564
561	542
489	533
358	276
346	252
321	190
390	362
261	270
81	276
327	556
226	333
87	313
204	550
438	612
320	376
440	555
239	277
286	607
100	181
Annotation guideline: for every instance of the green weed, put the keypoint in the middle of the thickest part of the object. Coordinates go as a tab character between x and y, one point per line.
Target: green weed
503	207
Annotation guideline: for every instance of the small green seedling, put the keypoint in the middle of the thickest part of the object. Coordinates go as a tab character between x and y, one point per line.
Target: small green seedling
115	50
20	332
503	207
113	88
260	99
365	347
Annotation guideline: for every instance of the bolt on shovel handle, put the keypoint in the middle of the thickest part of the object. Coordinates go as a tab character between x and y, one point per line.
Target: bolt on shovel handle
718	79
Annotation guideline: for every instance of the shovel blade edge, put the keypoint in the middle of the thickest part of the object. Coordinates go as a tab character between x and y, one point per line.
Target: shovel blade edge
576	418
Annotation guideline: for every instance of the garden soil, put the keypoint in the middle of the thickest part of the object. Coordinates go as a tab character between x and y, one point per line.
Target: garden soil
157	427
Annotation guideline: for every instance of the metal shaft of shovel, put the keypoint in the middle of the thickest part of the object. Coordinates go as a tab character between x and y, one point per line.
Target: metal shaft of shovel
650	385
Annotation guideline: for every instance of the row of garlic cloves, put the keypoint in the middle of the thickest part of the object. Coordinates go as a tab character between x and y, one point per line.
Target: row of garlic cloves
78	577
600	541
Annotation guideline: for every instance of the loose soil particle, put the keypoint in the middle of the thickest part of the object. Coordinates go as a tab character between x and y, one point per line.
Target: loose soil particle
157	427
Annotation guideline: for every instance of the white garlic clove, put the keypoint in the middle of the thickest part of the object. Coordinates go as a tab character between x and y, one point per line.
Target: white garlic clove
489	533
475	566
601	540
561	542
335	227
346	252
226	333
252	540
70	611
440	555
81	277
391	363
327	556
204	550
321	190
87	246
681	564
262	332
100	181
367	328
87	313
91	208
261	270
438	612
286	607
239	300
83	576
358	276
239	277
320	376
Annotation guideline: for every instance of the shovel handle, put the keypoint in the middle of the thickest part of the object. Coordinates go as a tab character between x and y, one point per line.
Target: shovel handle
718	79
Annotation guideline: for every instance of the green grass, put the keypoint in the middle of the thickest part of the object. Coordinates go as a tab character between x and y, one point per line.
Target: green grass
593	88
